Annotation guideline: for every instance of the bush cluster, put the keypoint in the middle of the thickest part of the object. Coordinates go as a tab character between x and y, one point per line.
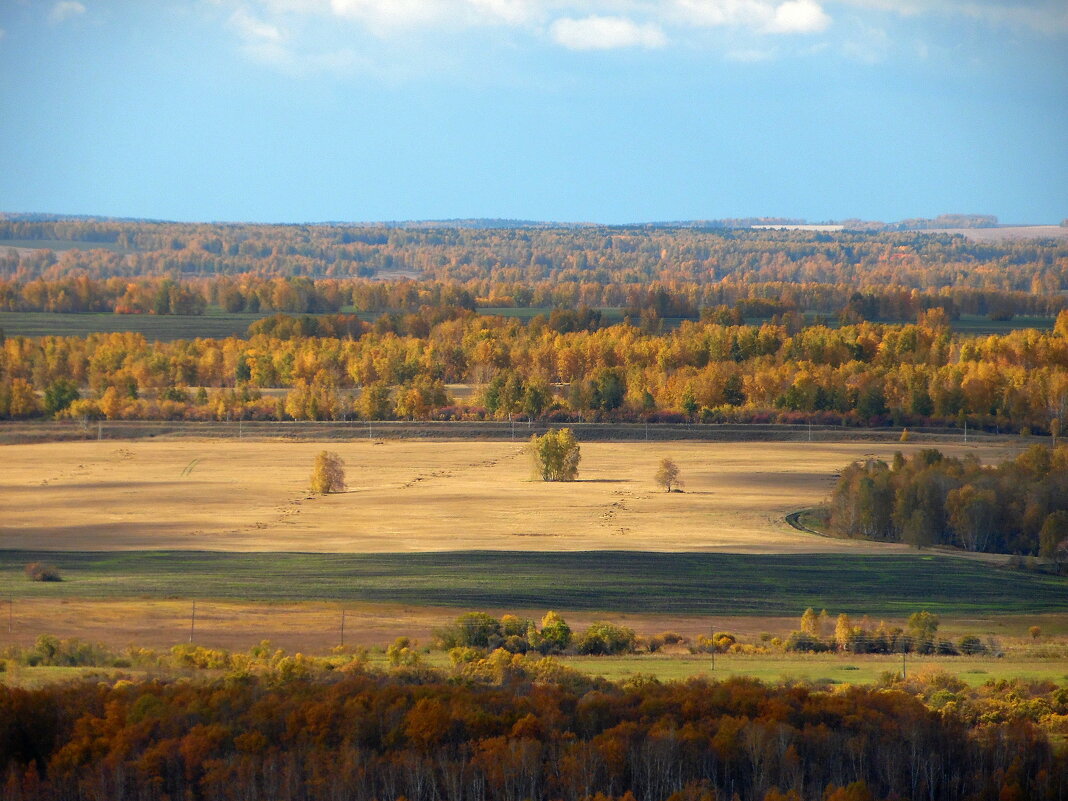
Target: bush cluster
40	571
478	632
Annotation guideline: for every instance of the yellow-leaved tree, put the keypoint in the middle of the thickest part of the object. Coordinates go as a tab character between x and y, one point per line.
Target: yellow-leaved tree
328	474
555	455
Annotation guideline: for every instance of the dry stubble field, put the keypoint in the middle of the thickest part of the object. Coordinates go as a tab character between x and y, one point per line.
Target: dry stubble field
404	496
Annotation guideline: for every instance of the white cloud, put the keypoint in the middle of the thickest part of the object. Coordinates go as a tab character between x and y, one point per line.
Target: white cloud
417	36
385	16
762	16
605	33
799	16
65	10
1043	16
715	13
868	45
252	29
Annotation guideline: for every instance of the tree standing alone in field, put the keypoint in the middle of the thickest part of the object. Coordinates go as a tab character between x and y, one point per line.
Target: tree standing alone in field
328	475
555	455
667	476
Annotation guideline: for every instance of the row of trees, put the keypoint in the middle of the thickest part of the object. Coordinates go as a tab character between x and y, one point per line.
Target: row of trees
701	371
729	300
1019	506
920	635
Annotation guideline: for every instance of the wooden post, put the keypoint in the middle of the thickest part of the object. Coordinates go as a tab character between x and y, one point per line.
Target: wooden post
342	627
193	622
712	637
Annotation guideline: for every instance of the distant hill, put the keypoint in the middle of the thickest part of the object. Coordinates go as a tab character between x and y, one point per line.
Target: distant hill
946	221
941	223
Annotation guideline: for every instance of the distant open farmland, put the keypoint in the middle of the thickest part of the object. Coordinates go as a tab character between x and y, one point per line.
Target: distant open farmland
154	327
218	324
1006	232
405	496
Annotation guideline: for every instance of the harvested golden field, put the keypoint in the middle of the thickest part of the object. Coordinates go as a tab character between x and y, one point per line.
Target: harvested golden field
244	495
315	626
311	626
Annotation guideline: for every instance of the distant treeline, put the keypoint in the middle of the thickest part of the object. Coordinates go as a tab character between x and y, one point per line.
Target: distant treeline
509	728
560	367
513	263
1019	506
646	304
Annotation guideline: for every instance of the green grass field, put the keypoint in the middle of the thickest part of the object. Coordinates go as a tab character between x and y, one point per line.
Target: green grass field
775	667
621	581
155	327
216	323
836	668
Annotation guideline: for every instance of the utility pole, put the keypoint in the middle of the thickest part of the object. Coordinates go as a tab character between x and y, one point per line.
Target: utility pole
10	615
712	637
342	627
903	674
193	622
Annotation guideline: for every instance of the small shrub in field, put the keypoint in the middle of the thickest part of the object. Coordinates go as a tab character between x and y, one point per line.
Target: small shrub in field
606	638
803	641
39	571
971	645
673	638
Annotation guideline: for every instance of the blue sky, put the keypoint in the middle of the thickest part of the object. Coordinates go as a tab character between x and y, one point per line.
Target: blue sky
608	111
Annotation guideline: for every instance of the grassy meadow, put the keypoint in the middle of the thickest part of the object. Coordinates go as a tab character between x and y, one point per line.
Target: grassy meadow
596	581
818	668
219	324
140	529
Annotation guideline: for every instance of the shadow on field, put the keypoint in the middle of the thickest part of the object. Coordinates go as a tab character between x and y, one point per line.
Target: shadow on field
603	581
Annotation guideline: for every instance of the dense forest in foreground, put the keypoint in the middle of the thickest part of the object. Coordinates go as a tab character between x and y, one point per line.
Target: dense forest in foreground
514	728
